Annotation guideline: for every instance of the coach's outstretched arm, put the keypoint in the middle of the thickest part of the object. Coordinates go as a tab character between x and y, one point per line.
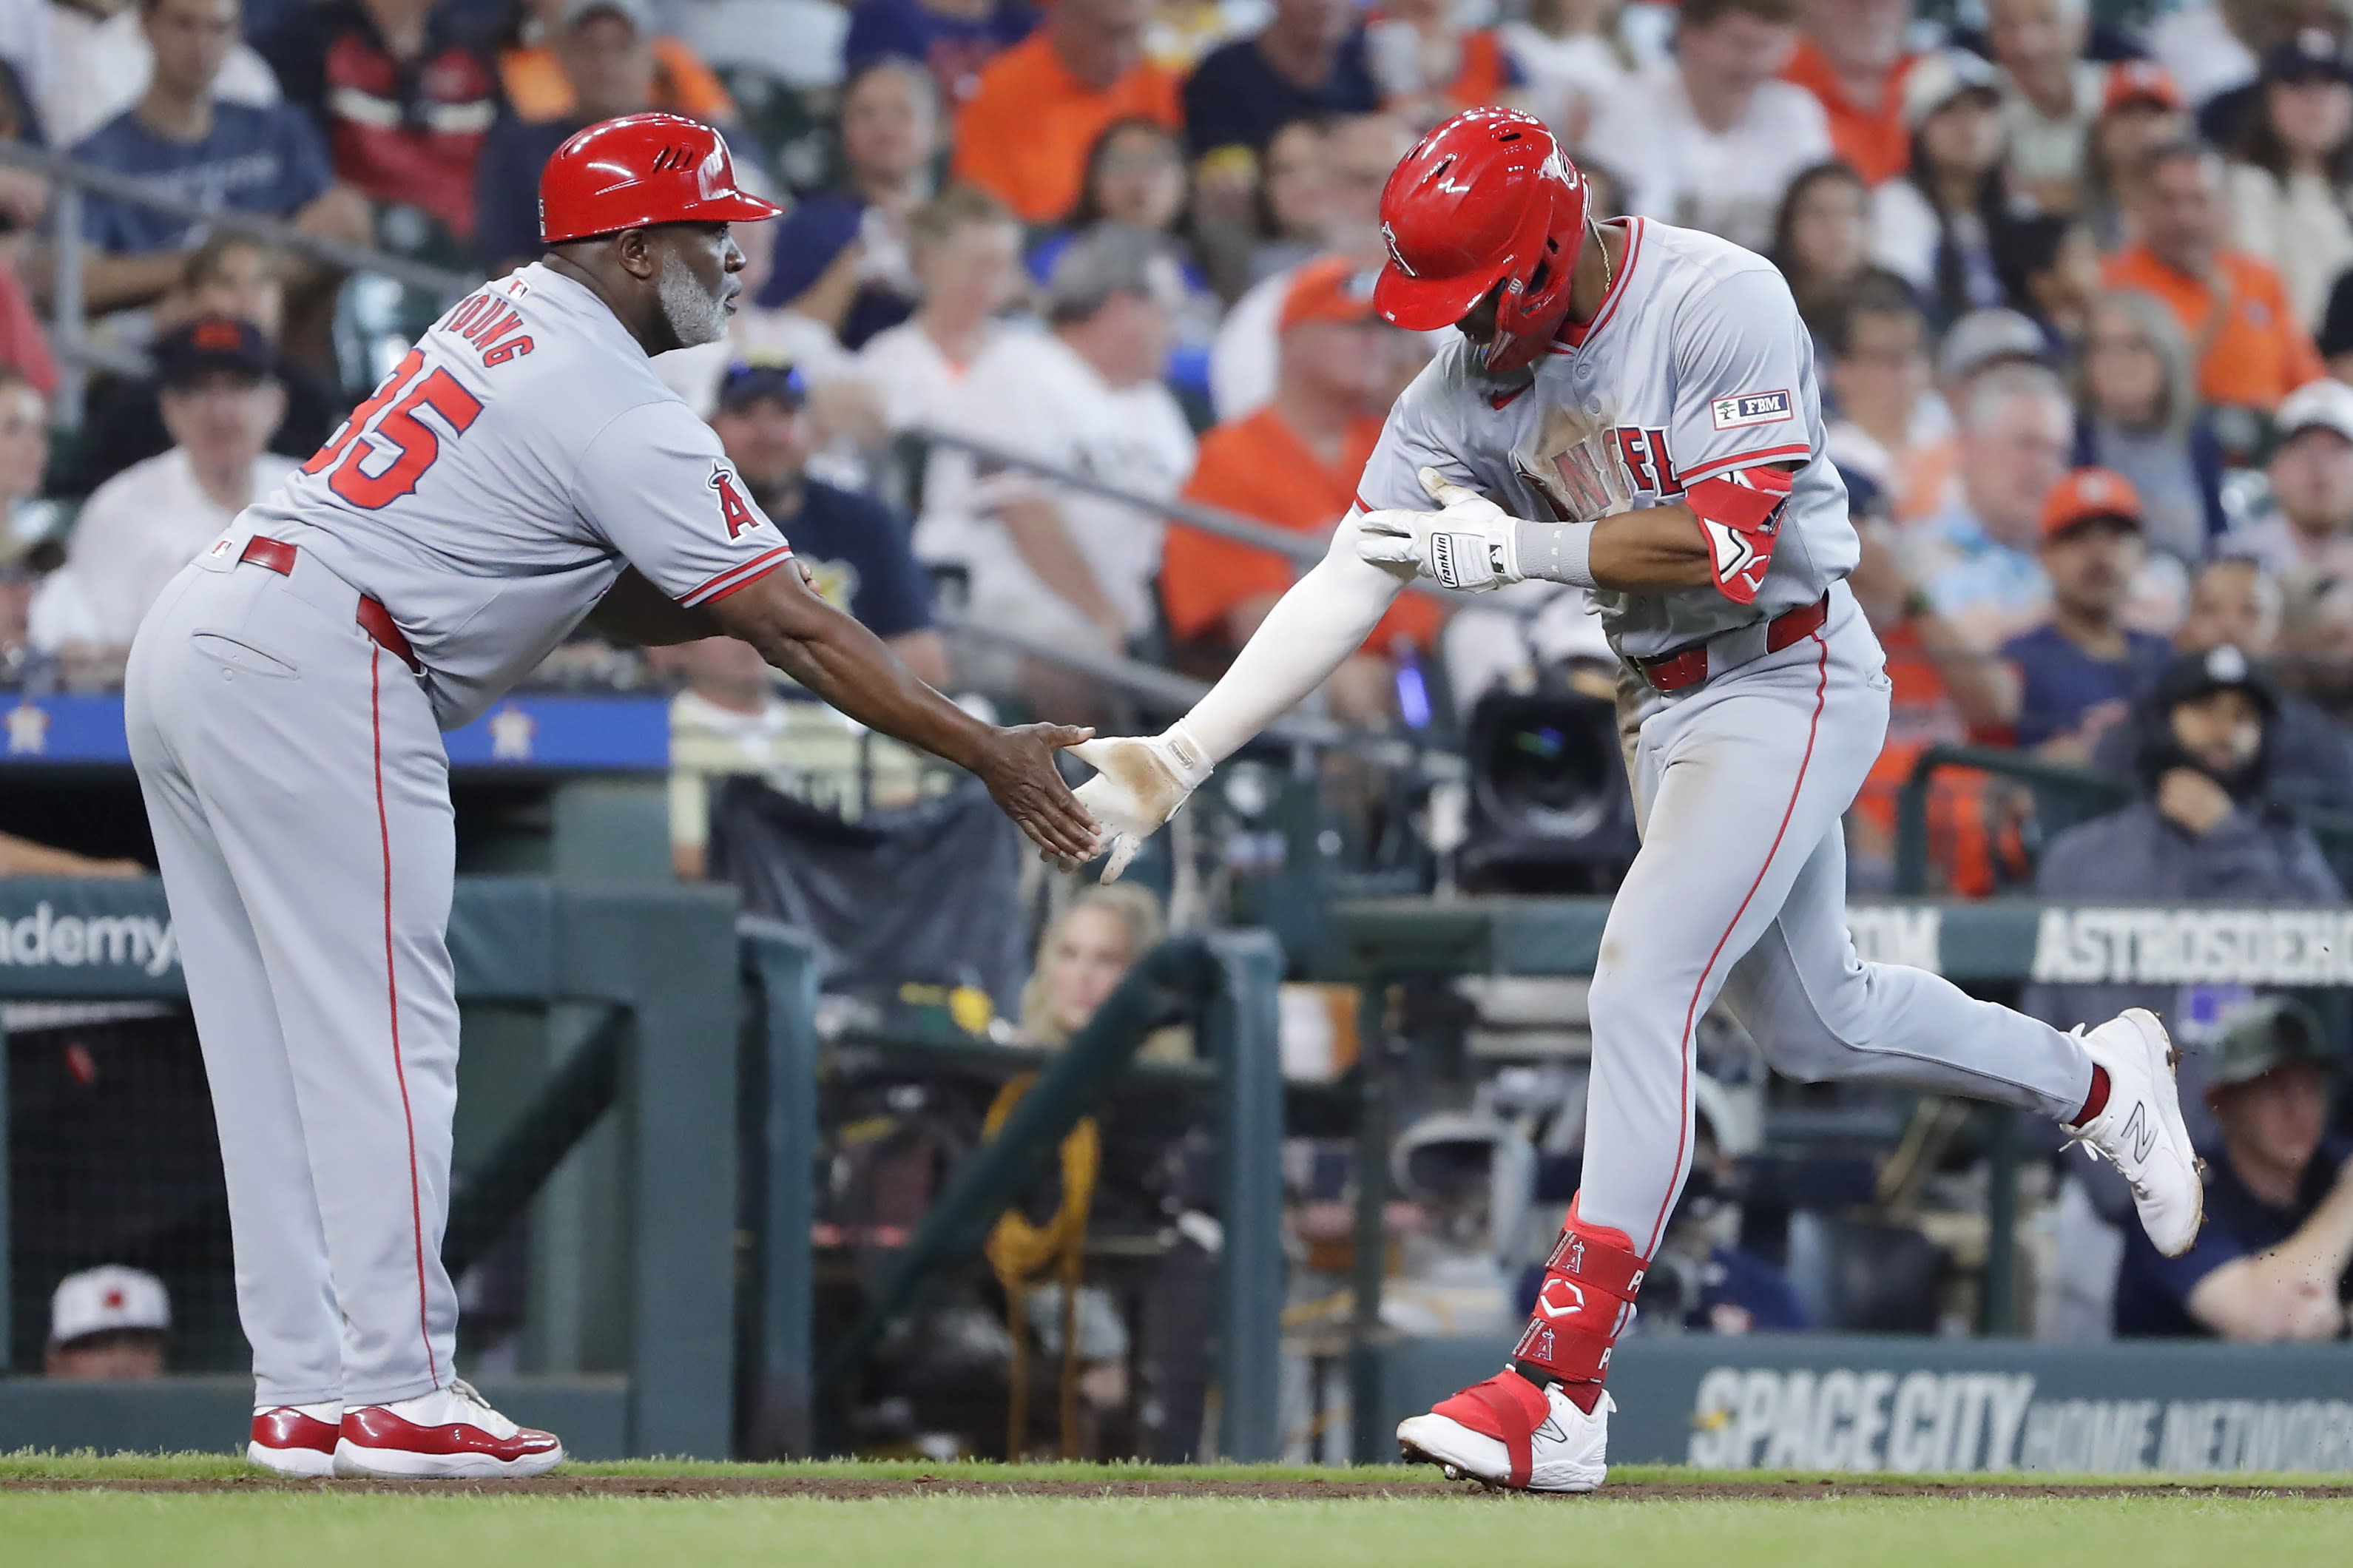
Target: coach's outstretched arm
850	668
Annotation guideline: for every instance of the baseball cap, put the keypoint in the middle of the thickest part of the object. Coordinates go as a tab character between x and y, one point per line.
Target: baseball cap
211	345
1935	80
745	382
1981	338
2312	55
1329	288
2140	81
2322	405
1111	258
2189	676
635	12
2258	1035
101	1300
2086	494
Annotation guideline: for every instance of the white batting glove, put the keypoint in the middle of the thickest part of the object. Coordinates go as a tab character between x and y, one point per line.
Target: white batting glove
1139	783
1470	544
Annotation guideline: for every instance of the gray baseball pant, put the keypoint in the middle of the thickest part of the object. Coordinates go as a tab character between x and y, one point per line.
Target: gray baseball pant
1740	888
299	793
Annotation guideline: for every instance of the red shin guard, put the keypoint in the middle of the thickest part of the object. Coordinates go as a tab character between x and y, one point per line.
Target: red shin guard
1586	1300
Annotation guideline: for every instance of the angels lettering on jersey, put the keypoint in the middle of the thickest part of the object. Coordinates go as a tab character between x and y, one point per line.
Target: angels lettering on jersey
1583	469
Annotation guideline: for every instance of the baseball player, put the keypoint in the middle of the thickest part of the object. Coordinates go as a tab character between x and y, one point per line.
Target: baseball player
522	468
1632	408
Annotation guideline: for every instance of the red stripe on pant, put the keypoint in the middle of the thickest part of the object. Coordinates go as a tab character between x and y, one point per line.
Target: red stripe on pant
1691	1013
392	993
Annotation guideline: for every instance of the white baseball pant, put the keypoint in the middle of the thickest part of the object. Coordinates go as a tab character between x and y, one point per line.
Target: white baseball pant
299	793
1740	888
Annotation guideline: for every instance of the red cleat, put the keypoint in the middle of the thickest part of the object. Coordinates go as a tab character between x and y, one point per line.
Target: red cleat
449	1433
295	1439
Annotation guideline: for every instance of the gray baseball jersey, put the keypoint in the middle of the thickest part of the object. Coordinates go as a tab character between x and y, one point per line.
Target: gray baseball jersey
1696	364
488	495
491	490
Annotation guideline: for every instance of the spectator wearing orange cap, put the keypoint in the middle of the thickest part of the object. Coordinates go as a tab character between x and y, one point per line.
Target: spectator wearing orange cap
2252	349
2141	109
1294	463
1023	135
2078	672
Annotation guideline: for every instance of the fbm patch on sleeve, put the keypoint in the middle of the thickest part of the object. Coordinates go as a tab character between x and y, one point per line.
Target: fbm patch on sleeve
1747	408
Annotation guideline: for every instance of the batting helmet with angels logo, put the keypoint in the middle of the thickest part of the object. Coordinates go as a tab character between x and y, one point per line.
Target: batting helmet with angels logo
1486	198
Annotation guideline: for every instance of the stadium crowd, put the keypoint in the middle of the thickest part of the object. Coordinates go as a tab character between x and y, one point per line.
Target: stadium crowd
2080	282
2076	284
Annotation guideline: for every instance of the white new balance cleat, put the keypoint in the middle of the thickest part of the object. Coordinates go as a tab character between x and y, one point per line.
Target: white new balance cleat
2139	1131
1504	1432
297	1440
449	1433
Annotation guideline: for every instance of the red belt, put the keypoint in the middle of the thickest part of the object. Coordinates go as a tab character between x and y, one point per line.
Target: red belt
1681	672
373	619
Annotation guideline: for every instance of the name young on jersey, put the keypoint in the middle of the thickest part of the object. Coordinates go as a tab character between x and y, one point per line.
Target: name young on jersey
486	319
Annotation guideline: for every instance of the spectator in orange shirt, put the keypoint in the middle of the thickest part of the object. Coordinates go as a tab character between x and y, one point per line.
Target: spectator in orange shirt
2252	350
1850	56
1294	464
538	90
1024	134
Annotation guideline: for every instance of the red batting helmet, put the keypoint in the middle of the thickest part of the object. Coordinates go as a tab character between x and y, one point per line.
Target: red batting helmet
638	171
1488	197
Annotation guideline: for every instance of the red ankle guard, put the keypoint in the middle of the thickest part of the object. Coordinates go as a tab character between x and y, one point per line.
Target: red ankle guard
1586	1300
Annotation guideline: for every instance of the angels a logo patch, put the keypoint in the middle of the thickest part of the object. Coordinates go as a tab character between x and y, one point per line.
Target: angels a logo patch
733	510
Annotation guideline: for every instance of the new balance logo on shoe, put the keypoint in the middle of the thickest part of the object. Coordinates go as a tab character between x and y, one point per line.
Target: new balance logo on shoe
2142	1135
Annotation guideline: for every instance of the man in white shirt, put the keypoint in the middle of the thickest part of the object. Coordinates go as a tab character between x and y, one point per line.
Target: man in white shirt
1712	141
966	251
1054	563
222	403
2050	94
99	62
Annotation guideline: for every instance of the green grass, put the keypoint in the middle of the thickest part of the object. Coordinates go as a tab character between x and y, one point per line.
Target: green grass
359	1530
27	1464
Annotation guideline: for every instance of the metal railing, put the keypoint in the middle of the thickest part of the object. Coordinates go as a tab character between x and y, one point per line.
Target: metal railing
77	351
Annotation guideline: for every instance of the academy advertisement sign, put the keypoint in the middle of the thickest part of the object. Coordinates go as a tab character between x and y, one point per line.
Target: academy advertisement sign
87	940
1879	1405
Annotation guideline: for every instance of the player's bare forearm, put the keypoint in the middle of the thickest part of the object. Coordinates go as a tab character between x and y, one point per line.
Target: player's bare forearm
633	610
1659	550
854	670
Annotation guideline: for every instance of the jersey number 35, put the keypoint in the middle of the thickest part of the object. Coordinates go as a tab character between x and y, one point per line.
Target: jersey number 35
399	446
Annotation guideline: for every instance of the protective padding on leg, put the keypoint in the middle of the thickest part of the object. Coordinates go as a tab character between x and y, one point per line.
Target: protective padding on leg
1586	1300
1506	1407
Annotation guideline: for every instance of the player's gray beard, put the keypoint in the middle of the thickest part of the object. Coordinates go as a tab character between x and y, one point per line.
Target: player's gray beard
695	317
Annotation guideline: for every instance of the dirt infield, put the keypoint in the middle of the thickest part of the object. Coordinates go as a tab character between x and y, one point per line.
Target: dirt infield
850	1490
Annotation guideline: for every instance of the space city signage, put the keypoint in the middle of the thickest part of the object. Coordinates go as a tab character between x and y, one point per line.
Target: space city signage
1924	1422
1882	1404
